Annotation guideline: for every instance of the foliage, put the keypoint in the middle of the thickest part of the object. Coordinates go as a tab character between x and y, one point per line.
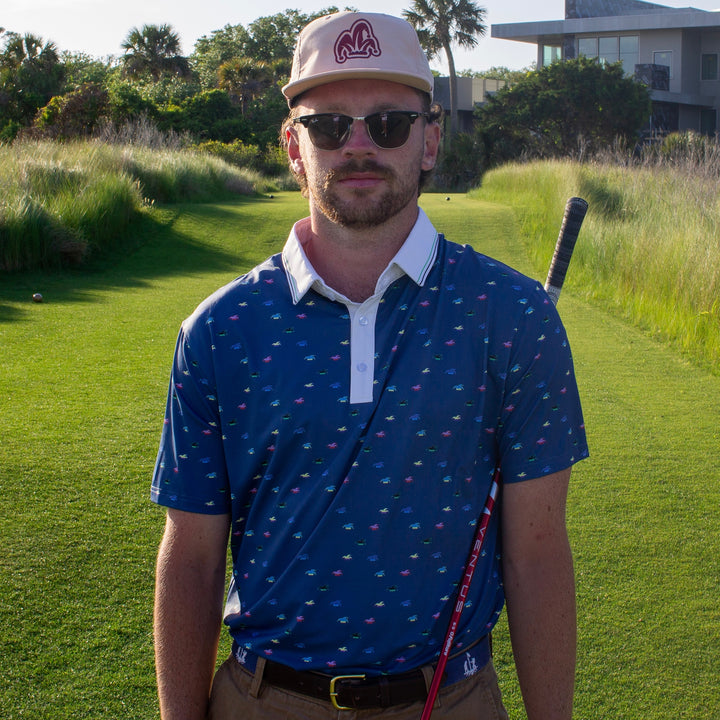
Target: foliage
560	109
499	73
272	161
244	79
81	69
210	115
274	37
63	202
220	47
649	247
30	74
270	40
440	24
154	50
460	163
74	114
126	103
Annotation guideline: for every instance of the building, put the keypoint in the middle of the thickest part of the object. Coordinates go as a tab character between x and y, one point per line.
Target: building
471	92
673	50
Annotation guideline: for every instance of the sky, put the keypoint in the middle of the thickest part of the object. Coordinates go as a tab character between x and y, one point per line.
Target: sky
98	27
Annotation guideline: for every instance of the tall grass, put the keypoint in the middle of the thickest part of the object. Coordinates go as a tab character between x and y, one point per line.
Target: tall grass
60	202
649	247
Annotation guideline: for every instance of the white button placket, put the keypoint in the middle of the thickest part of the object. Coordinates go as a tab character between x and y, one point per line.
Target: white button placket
362	350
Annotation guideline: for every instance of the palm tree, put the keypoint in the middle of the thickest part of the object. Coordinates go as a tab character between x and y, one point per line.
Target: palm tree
30	74
154	50
245	79
442	23
26	50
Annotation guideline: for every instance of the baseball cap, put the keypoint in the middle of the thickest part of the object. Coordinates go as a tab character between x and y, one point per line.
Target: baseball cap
350	45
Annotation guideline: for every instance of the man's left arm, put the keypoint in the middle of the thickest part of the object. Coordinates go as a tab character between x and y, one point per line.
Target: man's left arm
540	593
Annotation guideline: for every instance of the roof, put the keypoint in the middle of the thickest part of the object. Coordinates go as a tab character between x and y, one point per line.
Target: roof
600	16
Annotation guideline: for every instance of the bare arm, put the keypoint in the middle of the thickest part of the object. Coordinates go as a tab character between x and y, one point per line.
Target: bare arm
188	611
540	590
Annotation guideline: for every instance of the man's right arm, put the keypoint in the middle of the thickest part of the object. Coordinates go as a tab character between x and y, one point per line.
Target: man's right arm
189	589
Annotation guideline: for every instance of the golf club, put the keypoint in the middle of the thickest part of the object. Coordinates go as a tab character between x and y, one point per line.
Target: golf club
575	210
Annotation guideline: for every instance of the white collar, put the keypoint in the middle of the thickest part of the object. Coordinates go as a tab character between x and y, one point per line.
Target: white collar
414	259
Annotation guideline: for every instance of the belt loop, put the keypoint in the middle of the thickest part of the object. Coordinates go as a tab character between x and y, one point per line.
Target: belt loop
257	678
428	671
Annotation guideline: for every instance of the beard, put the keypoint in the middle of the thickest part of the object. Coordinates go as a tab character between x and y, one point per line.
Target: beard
364	209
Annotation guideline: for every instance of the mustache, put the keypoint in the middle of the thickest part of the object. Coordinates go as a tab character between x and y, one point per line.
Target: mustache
353	167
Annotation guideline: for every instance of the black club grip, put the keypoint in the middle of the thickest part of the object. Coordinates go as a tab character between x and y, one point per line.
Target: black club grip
575	210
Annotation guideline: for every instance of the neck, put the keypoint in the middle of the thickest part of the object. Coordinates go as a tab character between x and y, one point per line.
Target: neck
351	261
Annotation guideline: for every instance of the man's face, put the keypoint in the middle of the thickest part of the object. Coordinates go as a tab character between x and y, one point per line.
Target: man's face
361	185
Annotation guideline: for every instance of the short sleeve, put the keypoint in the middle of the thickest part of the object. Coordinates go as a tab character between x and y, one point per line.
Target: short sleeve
541	428
190	471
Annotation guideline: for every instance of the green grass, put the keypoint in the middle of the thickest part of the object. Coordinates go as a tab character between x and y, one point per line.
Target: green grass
83	378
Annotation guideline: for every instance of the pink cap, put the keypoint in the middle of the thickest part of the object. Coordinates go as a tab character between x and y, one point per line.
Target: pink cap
347	45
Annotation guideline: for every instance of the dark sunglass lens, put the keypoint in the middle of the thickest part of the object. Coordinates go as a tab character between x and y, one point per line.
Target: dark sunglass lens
389	129
329	132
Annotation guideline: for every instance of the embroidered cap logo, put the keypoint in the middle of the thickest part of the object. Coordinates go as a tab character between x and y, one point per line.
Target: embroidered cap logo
357	42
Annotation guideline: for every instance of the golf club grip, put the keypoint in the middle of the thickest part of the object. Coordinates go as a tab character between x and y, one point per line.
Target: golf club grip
575	210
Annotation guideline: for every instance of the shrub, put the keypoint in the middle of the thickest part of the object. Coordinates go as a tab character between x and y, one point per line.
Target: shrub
75	114
460	164
271	162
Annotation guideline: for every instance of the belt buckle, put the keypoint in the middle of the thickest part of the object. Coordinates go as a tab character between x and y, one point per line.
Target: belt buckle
334	693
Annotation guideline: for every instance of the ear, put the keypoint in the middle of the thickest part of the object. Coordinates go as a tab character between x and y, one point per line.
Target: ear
432	145
293	151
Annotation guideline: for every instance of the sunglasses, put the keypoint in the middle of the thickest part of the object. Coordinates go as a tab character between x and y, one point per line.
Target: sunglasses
388	130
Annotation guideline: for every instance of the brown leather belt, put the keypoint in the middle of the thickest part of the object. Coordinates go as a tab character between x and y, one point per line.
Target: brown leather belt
358	692
350	692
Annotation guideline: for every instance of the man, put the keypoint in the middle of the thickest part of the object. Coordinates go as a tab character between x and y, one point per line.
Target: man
338	413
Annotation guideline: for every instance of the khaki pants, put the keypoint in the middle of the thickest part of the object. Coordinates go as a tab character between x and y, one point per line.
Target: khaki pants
238	695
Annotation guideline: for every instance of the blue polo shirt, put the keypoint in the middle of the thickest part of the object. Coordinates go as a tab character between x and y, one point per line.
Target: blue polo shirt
354	444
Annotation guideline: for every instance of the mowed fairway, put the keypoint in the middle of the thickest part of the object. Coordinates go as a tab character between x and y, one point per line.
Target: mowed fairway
83	378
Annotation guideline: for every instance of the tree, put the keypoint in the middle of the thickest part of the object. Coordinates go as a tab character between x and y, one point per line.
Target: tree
548	113
244	79
81	68
499	73
273	37
211	52
154	50
442	23
269	39
30	74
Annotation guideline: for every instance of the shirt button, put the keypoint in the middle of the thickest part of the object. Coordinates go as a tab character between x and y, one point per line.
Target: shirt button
362	367
363	320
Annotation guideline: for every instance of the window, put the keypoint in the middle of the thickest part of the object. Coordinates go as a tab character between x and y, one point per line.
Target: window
629	52
664	58
709	67
608	50
551	54
611	48
588	47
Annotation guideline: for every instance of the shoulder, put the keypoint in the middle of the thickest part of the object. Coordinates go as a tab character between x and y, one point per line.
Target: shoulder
257	287
490	280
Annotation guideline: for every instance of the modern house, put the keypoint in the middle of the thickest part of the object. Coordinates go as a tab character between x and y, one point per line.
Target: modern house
471	92
673	50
